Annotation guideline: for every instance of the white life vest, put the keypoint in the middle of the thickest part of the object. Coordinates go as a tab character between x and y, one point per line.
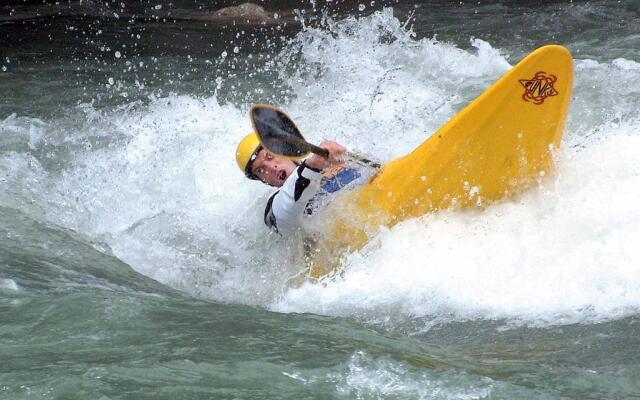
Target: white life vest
305	190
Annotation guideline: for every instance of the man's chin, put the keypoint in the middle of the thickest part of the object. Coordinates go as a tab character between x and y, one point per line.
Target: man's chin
277	183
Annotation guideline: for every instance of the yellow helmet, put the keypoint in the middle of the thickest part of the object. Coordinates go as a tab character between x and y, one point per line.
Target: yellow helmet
246	152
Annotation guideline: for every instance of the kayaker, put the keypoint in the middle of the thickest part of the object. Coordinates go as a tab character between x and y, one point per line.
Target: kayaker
302	185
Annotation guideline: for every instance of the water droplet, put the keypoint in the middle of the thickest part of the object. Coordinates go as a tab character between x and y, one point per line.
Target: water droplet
236	49
118	55
111	81
224	54
4	68
361	7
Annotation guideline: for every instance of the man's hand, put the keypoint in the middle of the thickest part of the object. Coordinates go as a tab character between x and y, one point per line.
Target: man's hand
337	156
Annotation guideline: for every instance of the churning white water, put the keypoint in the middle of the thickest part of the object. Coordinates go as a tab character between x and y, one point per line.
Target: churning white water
157	183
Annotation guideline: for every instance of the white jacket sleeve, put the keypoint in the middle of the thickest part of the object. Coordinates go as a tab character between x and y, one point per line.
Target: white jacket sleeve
286	207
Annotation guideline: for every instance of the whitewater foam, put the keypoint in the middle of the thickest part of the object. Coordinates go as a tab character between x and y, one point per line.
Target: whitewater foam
157	183
367	377
9	284
563	253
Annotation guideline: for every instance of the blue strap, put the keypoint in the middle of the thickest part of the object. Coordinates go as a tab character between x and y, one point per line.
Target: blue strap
340	180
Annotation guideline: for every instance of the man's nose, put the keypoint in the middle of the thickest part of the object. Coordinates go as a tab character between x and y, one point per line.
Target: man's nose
273	164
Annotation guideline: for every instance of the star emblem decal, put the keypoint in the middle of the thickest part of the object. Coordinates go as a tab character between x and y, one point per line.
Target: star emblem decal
538	88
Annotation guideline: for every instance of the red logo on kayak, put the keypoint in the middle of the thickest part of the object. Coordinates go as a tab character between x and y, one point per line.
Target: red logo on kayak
538	88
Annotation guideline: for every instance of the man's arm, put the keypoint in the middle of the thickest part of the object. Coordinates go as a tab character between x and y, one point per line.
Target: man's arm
286	206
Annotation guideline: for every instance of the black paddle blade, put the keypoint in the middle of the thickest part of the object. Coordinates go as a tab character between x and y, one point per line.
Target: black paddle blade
278	133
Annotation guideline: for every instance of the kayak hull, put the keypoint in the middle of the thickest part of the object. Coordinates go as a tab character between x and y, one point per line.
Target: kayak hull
499	145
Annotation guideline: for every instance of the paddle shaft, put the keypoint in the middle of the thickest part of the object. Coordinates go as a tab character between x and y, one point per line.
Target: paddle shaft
303	144
318	150
289	133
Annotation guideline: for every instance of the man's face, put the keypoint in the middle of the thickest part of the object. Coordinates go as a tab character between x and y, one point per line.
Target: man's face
271	169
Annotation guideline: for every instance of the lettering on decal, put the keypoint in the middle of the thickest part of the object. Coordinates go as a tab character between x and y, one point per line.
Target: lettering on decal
538	88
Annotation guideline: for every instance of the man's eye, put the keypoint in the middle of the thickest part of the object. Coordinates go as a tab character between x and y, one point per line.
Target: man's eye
269	157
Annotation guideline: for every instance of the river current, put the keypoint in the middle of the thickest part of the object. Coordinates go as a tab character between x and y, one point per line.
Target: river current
134	263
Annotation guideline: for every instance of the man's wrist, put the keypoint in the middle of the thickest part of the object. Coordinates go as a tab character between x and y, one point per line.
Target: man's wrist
305	164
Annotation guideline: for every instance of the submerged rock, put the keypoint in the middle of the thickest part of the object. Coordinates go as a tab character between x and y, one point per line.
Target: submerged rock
245	10
245	14
248	14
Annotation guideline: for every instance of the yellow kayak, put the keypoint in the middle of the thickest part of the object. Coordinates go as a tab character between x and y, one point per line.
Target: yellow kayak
497	146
